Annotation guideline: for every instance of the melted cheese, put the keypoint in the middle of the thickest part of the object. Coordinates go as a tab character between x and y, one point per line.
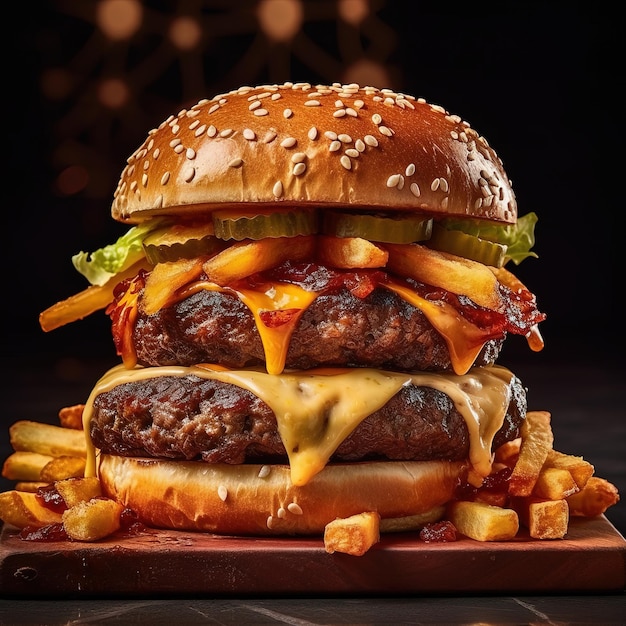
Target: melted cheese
464	339
317	410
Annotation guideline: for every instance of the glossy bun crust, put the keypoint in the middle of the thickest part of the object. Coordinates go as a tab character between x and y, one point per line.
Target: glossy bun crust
302	144
260	500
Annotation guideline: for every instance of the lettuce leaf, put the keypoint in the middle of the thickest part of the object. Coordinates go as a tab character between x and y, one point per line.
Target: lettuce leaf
519	238
99	266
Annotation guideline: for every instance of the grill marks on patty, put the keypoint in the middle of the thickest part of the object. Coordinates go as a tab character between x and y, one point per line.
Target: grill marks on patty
338	329
194	418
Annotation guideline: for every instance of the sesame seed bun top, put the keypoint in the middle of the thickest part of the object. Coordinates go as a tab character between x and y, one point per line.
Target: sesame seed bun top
301	144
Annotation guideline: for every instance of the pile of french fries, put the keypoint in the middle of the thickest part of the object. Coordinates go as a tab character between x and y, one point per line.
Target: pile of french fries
544	489
54	455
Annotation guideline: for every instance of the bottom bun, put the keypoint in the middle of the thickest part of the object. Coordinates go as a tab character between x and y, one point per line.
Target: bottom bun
261	500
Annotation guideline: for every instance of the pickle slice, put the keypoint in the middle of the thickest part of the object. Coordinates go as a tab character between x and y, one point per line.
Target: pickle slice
383	227
181	241
468	246
240	225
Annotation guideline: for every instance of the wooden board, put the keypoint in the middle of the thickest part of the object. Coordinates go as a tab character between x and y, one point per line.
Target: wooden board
592	559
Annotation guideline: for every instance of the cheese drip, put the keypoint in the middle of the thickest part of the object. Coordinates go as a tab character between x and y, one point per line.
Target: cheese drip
464	339
318	409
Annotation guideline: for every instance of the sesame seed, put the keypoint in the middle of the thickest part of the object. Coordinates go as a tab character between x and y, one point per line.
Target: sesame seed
175	142
222	493
270	522
329	134
200	130
351	112
288	142
175	128
299	169
298	157
443	185
254	105
410	169
211	131
435	184
264	472
248	134
146	164
344	138
179	148
227	132
352	152
371	141
261	112
281	513
278	189
339	104
190	154
377	119
270	135
415	190
312	103
188	174
214	108
287	113
359	145
339	113
334	146
345	161
444	203
385	131
144	180
294	508
158	202
312	134
156	153
165	178
394	180
238	162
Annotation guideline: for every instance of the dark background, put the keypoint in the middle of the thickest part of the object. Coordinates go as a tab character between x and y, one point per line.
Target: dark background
538	80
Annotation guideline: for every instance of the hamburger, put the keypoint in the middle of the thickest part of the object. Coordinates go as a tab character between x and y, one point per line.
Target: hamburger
309	304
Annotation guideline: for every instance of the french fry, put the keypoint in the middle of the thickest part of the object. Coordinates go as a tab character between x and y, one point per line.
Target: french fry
483	522
594	498
580	469
508	452
165	279
92	520
545	519
349	252
554	483
72	416
27	466
61	467
248	257
76	490
353	535
47	439
29	486
440	269
537	439
21	509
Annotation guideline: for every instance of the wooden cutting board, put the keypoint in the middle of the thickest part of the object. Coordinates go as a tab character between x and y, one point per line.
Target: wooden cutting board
591	559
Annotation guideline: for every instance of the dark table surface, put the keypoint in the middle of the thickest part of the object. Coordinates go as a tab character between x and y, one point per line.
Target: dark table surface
586	402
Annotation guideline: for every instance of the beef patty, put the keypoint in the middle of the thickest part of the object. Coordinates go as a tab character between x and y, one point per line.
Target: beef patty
338	329
194	418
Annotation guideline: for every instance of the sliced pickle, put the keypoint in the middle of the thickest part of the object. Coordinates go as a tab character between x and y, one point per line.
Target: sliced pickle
468	246
383	227
181	241
240	225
